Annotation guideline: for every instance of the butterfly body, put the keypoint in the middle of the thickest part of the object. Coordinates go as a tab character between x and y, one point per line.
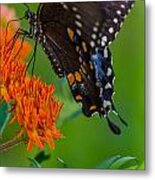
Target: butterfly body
75	36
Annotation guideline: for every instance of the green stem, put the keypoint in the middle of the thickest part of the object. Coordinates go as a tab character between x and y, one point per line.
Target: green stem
10	144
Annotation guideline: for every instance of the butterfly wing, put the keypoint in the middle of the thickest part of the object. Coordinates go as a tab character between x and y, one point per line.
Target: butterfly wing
98	22
76	40
101	21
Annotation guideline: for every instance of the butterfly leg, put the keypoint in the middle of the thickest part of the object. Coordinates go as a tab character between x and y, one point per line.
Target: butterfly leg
11	42
21	46
33	58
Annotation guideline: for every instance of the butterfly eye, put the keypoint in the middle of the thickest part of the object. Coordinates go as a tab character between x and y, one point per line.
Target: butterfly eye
28	15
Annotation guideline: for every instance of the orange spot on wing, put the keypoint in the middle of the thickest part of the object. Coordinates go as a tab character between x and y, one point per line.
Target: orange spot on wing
91	65
71	78
93	107
70	33
78	97
78	76
84	46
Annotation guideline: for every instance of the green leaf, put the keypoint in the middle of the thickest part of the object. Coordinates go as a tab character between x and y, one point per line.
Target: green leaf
134	167
124	161
62	162
108	162
42	156
4	116
34	163
119	162
38	159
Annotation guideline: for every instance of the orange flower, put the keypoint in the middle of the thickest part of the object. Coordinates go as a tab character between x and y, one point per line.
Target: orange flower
12	71
36	111
33	103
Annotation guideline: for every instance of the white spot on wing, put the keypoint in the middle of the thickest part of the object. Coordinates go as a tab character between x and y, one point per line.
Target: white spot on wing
74	9
121	24
111	30
59	69
122	6
64	6
103	40
116	34
132	5
108	86
129	10
105	53
93	36
118	12
92	44
97	23
78	32
102	43
78	16
79	24
109	42
109	72
94	113
106	103
80	59
115	20
95	29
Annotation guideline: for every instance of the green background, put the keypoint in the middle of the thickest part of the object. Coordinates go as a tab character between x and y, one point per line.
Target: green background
89	141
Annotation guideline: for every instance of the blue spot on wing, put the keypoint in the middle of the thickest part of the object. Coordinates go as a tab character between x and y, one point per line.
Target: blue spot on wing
97	60
76	39
101	64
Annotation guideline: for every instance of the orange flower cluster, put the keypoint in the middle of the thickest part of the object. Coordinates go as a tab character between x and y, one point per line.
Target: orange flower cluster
37	111
33	103
12	72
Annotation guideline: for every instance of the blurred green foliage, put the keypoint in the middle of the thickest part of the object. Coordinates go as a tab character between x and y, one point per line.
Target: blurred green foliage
4	117
119	162
88	141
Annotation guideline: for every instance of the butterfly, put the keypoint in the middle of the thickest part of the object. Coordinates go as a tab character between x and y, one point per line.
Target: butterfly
76	38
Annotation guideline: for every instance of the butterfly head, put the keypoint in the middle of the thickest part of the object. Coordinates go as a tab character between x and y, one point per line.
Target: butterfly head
31	18
29	15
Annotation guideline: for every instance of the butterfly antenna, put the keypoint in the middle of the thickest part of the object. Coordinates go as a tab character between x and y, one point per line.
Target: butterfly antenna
27	6
117	114
14	20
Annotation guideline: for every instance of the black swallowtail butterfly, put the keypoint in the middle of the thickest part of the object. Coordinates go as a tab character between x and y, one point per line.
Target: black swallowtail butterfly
76	36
